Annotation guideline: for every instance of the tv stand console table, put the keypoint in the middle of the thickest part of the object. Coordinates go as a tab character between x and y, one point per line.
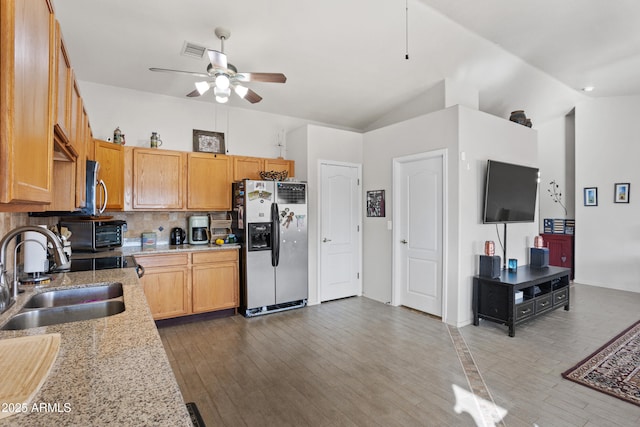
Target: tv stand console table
543	290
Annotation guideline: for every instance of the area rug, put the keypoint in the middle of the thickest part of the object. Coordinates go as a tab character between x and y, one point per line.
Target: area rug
196	418
613	369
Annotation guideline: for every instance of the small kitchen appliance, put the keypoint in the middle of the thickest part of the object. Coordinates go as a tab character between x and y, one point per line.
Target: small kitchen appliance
92	235
198	230
177	237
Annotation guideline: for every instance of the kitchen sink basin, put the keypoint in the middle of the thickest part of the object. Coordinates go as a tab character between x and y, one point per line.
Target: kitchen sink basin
33	318
75	296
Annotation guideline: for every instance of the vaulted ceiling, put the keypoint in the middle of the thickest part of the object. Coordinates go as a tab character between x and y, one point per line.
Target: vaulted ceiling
345	60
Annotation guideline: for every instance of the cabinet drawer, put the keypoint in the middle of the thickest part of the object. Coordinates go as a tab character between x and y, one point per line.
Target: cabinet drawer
524	310
161	260
561	296
544	302
215	256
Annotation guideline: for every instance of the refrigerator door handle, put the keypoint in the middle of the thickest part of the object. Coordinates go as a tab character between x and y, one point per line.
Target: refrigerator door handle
275	235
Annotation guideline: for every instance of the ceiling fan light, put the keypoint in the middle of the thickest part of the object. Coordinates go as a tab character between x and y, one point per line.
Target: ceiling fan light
222	92
240	90
222	99
222	81
202	87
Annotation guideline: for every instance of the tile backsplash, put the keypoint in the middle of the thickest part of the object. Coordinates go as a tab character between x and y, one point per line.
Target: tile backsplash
137	223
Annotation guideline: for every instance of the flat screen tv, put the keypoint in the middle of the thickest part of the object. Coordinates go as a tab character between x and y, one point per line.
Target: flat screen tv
510	193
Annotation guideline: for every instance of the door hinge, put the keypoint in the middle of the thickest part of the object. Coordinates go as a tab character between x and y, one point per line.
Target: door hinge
358	181
358	228
358	275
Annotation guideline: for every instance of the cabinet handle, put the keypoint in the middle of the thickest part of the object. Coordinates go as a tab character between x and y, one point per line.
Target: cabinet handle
544	304
528	310
403	241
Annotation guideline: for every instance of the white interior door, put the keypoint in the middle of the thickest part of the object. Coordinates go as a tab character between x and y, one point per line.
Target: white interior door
419	234
340	205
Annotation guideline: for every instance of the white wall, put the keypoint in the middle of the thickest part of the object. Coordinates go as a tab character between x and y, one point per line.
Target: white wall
556	153
468	134
137	113
607	152
438	130
484	137
308	146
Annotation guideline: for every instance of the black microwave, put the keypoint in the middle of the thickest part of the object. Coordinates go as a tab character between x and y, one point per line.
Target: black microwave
94	235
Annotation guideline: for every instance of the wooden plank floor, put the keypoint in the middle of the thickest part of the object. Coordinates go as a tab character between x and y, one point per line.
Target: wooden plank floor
357	362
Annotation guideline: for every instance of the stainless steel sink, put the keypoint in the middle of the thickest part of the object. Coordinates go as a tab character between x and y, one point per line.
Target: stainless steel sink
75	296
69	305
33	318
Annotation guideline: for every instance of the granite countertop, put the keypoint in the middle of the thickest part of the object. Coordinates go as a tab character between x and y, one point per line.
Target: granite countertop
112	370
137	250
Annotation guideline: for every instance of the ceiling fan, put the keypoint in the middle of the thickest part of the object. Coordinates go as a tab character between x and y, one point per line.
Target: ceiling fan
225	76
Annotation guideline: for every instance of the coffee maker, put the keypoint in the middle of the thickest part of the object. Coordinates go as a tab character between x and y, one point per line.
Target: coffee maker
198	230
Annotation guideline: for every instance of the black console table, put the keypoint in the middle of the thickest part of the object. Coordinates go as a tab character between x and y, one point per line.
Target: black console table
543	289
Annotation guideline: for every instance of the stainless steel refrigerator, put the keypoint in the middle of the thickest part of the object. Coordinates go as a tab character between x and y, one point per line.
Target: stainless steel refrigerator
271	219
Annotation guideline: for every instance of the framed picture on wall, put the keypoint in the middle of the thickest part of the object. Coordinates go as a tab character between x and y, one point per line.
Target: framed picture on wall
375	203
621	192
208	142
591	196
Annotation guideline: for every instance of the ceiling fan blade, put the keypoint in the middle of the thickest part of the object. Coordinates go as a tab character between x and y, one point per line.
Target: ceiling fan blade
194	93
218	59
261	77
252	97
190	73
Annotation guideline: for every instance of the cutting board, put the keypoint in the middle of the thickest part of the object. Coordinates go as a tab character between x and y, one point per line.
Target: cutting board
25	363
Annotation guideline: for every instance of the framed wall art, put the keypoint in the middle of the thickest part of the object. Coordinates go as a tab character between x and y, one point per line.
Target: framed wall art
621	192
591	196
208	142
375	203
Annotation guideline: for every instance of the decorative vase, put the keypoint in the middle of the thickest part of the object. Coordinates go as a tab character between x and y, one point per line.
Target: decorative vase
519	117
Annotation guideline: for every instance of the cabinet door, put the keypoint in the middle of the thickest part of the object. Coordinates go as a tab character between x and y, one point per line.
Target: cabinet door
111	159
158	179
280	165
215	286
209	182
63	85
247	168
26	80
167	291
215	280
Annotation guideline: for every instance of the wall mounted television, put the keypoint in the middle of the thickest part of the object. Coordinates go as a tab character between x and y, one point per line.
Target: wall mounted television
510	193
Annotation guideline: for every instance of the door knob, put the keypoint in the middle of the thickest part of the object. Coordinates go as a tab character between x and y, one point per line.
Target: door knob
404	242
325	240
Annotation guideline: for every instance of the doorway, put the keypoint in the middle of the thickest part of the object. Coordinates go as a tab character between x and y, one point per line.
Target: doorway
419	210
339	234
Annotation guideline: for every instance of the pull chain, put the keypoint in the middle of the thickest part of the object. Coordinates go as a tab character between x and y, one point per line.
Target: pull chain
406	25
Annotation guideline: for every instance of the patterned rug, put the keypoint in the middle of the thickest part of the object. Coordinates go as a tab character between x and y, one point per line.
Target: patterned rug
614	369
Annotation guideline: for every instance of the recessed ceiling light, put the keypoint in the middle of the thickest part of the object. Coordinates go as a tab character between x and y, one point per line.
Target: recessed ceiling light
588	88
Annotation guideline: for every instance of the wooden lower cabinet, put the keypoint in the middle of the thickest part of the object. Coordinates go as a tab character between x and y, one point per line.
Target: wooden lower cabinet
166	284
215	280
190	282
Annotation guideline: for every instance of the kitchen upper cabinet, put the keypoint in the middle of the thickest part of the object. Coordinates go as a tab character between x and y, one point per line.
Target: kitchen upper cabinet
208	182
158	179
69	177
63	87
26	111
166	284
250	167
214	280
247	167
111	159
279	165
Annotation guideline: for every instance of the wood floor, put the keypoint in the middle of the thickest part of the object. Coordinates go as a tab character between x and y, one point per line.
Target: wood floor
357	362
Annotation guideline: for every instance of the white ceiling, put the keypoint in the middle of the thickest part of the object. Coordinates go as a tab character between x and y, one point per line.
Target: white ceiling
345	59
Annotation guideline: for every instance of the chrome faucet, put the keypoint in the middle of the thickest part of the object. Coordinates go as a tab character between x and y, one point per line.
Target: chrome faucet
6	298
